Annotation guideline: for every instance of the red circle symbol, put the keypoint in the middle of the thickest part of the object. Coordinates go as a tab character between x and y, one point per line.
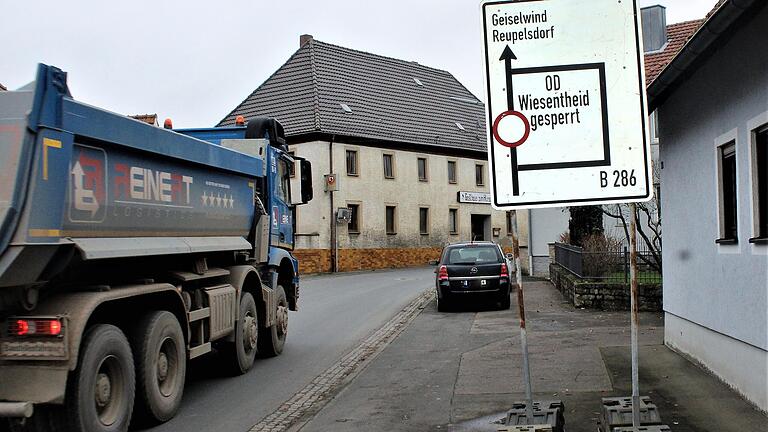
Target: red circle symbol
519	115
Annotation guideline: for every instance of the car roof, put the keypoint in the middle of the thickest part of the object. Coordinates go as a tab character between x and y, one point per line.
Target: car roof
477	243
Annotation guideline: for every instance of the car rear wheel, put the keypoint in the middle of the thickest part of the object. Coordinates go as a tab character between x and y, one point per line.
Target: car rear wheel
505	302
443	304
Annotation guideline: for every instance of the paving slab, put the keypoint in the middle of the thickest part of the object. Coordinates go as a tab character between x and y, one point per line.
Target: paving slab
461	371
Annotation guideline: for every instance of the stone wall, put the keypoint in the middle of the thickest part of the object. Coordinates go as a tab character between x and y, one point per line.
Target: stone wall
319	260
313	260
601	295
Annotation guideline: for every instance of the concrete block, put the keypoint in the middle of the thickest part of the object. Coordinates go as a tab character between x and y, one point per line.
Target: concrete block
656	428
527	428
549	413
617	412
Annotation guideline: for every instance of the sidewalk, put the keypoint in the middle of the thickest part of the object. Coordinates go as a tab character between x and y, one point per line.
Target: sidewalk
460	371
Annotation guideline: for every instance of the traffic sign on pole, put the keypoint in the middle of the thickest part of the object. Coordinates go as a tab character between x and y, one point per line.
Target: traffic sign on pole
565	103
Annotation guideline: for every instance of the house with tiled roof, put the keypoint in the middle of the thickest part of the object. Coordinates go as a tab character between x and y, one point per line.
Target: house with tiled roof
712	103
404	144
150	119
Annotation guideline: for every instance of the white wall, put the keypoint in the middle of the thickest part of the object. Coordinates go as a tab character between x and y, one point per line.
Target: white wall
720	291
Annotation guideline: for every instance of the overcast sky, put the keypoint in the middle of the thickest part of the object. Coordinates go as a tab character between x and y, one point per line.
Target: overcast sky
194	61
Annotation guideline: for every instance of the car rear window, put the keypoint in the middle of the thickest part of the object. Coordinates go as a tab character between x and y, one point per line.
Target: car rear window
471	255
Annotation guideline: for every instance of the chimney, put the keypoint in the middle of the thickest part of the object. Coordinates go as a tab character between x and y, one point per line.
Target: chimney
303	39
654	20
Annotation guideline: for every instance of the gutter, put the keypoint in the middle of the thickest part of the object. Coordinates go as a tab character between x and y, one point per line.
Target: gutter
700	45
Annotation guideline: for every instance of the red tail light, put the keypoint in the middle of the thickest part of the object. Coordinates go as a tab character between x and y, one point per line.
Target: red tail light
504	271
22	327
443	273
35	327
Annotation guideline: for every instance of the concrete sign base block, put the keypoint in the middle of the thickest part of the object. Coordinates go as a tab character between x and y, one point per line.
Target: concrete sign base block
527	428
545	413
657	428
616	413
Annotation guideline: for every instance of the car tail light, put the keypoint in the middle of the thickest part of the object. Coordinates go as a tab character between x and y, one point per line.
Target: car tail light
34	327
443	273
504	271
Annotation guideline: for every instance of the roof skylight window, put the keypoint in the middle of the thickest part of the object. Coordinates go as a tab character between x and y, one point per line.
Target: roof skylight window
346	108
459	125
418	81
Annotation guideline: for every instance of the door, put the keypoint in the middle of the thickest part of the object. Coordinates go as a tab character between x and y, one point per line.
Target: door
481	227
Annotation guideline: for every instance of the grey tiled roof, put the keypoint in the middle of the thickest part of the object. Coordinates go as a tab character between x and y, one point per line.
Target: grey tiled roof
305	94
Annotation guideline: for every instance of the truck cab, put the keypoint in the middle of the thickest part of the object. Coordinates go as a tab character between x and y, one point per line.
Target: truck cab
278	193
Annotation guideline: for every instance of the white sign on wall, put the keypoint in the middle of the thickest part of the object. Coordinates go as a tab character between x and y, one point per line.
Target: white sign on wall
473	197
565	103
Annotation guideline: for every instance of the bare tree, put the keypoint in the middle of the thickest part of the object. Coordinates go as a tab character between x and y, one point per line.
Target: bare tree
648	217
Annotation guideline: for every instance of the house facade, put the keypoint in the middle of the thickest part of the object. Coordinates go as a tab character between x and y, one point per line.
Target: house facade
712	103
398	154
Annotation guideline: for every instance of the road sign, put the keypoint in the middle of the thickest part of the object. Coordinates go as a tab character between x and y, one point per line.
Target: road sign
565	103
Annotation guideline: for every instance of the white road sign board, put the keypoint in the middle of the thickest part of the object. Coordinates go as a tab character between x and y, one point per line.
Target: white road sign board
567	121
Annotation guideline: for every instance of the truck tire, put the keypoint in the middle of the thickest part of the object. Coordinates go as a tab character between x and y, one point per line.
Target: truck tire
101	390
240	354
272	339
161	366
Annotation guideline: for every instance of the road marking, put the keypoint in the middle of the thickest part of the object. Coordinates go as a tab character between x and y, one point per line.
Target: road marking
297	411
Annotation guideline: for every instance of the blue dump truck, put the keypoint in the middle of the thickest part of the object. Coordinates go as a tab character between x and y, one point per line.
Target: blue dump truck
127	250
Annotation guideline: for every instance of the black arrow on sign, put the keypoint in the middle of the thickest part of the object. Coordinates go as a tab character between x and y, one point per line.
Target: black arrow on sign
507	55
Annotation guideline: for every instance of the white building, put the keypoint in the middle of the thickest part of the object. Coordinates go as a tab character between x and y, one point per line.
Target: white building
405	145
712	103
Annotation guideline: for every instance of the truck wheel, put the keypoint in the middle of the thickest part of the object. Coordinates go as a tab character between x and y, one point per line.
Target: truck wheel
101	389
240	354
272	339
161	366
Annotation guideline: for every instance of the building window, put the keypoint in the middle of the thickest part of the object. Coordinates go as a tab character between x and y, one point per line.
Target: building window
509	223
292	167
480	174
453	221
653	123
389	168
760	167
422	163
352	163
354	220
452	172
424	220
728	201
391	215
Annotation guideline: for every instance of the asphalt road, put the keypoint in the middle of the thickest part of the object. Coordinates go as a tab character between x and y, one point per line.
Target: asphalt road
335	313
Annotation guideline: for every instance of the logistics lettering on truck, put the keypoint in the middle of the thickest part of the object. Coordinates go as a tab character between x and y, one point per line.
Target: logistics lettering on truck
127	250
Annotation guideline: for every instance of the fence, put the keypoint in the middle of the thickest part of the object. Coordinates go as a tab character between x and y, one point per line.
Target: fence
609	265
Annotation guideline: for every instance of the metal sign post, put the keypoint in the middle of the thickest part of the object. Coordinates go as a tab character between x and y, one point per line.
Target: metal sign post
634	312
521	308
